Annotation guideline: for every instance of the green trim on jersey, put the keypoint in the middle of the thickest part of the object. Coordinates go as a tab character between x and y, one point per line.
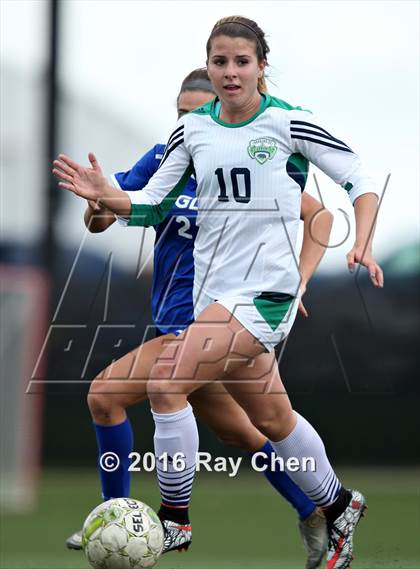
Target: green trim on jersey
267	101
300	163
348	186
279	103
204	109
145	215
273	307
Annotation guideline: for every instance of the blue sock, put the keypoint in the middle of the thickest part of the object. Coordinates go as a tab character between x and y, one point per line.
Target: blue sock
283	484
117	439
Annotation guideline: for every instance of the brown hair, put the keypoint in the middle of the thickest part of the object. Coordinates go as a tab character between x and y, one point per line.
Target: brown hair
197	80
241	27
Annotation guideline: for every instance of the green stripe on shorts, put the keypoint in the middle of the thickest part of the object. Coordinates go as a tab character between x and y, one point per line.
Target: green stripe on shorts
273	307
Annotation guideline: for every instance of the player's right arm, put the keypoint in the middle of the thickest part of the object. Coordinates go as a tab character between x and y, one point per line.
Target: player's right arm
97	218
152	205
90	184
148	207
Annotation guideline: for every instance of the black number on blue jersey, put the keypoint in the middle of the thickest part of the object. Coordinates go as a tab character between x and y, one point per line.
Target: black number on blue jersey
234	175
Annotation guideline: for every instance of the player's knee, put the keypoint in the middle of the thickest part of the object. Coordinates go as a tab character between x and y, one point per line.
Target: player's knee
267	423
158	389
100	402
239	439
164	394
160	397
266	426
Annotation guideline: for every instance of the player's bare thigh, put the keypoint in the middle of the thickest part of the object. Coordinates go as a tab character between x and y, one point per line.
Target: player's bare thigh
218	347
210	349
123	382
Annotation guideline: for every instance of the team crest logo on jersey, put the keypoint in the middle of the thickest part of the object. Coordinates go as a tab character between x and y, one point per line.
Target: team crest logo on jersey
262	149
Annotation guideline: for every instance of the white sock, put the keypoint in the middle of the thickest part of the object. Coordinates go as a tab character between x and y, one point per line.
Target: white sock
321	485
176	433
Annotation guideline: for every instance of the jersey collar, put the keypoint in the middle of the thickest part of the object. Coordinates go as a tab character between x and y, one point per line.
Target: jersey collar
214	111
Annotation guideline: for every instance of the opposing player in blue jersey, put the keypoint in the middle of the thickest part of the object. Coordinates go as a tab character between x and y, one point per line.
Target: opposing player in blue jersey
172	310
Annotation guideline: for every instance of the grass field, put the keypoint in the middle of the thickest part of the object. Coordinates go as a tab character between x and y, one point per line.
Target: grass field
238	523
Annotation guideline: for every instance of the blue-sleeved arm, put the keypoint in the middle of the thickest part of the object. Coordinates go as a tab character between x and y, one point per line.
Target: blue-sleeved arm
139	175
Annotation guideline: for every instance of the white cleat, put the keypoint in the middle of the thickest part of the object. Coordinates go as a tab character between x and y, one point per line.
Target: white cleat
340	533
177	536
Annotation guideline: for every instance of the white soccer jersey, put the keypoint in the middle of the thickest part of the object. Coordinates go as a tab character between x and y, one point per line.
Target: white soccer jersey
249	192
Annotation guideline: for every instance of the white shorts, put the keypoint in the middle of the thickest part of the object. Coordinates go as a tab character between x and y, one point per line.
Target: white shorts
268	317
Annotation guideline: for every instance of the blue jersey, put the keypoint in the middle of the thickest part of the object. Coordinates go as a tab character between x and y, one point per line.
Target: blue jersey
173	274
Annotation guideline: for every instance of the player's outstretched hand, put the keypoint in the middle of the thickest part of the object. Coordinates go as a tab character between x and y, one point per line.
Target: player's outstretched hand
87	183
365	258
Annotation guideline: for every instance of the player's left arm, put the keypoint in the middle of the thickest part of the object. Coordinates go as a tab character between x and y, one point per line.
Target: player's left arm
317	224
343	165
365	208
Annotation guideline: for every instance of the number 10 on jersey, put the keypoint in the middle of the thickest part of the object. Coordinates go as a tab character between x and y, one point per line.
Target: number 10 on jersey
235	175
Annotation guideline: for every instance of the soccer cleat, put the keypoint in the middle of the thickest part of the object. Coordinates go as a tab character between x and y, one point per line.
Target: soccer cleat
313	530
176	536
340	533
75	541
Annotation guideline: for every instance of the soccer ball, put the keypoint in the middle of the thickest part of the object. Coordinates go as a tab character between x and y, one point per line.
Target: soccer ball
122	534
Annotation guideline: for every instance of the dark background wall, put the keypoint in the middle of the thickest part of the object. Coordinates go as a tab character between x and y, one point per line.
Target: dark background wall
351	368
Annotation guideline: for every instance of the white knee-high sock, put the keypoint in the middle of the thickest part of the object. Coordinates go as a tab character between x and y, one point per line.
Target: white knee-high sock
176	433
321	485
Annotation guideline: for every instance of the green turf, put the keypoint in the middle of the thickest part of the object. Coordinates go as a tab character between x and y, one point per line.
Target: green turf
238	523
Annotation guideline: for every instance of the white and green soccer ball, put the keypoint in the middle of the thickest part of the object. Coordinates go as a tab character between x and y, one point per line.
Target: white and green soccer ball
122	534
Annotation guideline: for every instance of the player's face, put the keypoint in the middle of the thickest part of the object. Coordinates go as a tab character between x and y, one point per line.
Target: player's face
190	100
234	70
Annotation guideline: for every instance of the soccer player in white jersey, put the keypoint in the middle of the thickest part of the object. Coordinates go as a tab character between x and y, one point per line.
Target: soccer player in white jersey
116	388
246	290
